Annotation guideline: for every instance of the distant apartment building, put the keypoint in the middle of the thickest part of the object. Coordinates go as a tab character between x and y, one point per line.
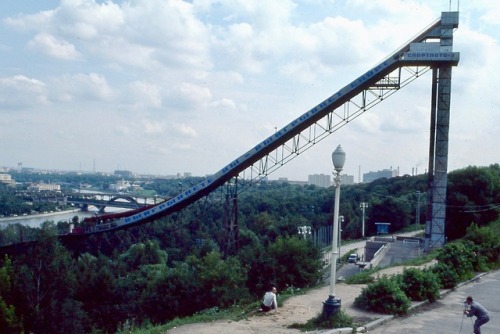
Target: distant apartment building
45	187
347	180
120	186
123	173
324	181
7	179
384	173
320	180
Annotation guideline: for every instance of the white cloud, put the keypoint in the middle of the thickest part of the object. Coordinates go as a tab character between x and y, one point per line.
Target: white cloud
30	22
19	92
88	19
185	130
223	103
152	127
85	87
195	95
145	94
50	46
122	130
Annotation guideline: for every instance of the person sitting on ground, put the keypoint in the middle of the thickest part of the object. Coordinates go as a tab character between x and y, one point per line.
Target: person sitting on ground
269	301
478	310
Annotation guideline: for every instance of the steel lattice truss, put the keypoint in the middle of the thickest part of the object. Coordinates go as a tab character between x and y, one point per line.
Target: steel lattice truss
336	119
431	49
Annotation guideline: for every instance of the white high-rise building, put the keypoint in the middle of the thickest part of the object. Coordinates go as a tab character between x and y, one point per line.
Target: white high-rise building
320	180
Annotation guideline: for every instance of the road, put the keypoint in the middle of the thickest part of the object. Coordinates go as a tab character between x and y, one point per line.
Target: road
350	269
445	315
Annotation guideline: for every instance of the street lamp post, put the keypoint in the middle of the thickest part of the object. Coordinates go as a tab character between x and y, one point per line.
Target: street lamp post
332	304
341	220
305	231
363	206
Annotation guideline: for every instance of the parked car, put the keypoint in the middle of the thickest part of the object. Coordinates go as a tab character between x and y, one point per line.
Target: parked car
353	258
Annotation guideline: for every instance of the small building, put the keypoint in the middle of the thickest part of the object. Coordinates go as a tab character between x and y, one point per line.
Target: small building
385	173
45	187
382	228
7	179
120	186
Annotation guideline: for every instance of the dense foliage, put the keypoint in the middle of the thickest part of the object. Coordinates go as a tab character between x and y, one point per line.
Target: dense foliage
186	263
54	291
473	198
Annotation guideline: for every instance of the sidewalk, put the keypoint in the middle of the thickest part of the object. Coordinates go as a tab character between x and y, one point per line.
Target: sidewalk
445	316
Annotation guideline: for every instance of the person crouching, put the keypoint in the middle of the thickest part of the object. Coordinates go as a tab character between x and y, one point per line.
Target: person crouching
269	301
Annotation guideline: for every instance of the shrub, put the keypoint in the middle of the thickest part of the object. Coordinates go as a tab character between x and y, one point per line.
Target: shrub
487	242
448	277
460	257
419	284
383	296
337	320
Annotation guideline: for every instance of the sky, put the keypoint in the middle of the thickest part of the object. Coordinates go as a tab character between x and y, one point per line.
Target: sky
169	86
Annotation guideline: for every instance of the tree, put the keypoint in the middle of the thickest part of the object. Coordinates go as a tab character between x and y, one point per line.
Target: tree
140	254
388	211
472	195
222	282
96	284
295	262
9	320
487	242
45	284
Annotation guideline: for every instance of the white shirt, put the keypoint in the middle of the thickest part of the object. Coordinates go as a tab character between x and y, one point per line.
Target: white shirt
269	299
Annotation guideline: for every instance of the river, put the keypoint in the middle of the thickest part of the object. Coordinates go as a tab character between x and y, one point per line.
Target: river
66	216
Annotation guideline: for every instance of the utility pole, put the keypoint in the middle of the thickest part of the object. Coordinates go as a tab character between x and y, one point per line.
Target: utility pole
417	214
363	206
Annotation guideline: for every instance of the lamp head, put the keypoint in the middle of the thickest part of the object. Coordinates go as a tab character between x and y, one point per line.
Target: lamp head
338	158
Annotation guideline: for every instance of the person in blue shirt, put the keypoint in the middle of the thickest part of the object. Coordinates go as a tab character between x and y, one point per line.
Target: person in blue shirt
475	309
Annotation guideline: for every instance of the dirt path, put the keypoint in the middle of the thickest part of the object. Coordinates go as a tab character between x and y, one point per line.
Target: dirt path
298	309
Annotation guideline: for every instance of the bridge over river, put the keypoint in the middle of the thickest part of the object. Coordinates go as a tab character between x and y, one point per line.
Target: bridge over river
103	200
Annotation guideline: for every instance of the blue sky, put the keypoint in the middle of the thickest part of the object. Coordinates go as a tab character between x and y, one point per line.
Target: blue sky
169	86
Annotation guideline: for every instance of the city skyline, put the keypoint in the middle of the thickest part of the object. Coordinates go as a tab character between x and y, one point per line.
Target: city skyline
317	179
87	85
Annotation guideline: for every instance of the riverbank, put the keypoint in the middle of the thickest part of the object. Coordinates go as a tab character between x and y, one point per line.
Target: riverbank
36	216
